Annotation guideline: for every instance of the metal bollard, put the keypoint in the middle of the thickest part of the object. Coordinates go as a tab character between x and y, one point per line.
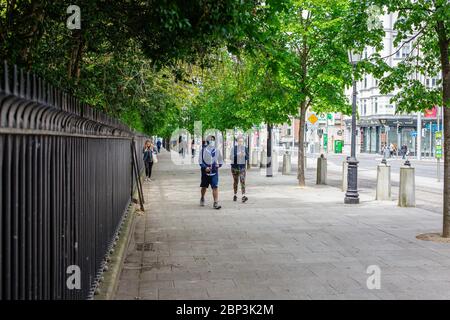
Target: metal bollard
255	158
407	187
275	164
383	182
321	170
263	163
286	163
344	176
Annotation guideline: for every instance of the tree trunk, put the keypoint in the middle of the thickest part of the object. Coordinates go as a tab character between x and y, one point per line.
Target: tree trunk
301	146
445	65
269	168
76	53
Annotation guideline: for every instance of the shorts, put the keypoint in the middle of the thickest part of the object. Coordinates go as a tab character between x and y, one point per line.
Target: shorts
209	180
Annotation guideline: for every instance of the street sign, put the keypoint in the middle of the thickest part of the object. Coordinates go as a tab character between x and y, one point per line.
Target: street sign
312	118
438	137
320	132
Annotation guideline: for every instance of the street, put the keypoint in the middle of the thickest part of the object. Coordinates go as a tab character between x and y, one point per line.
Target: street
428	190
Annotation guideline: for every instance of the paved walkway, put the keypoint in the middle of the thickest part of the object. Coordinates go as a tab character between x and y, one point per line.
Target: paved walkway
284	243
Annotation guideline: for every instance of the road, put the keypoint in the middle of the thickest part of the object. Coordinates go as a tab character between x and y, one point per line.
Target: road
429	191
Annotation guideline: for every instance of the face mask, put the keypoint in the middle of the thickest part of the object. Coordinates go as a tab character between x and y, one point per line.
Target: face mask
212	144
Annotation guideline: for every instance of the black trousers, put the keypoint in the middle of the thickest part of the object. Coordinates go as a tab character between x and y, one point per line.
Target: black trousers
148	168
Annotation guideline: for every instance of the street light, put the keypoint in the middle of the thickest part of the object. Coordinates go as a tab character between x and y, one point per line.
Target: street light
352	195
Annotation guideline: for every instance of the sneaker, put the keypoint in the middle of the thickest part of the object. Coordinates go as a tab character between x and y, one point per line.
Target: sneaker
202	202
235	198
216	206
244	198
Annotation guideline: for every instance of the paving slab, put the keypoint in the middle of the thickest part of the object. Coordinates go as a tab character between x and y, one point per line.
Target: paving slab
286	242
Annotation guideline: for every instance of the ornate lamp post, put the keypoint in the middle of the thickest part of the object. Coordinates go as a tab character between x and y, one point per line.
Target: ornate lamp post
352	195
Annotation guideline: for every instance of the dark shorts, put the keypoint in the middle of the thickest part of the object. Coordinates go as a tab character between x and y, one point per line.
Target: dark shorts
209	180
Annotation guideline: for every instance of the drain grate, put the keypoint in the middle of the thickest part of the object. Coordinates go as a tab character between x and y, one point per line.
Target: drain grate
148	246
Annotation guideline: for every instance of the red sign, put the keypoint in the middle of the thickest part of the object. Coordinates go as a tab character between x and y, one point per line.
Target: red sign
432	113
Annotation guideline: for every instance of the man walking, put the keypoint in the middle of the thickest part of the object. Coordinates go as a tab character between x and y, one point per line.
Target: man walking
210	161
239	158
158	145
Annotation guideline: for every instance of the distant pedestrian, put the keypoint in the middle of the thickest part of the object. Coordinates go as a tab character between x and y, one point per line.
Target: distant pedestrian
391	150
239	158
404	151
386	152
193	148
149	151
158	145
210	161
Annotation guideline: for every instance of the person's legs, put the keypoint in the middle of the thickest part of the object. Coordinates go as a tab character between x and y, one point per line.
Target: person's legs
215	190
150	166
203	185
235	175
242	180
147	169
242	174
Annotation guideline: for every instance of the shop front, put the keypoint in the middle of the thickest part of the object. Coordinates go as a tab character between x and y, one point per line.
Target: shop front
398	131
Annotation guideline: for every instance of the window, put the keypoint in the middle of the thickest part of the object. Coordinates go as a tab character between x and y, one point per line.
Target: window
428	82
365	82
403	50
406	50
376	106
365	107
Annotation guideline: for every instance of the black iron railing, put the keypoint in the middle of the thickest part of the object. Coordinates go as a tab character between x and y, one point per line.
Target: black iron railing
66	181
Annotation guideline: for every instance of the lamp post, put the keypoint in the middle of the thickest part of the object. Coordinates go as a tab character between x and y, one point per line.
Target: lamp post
352	195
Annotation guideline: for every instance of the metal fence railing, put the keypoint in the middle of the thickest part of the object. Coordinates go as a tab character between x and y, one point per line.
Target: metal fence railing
66	184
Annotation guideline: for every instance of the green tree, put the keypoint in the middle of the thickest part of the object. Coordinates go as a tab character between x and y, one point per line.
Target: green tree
425	25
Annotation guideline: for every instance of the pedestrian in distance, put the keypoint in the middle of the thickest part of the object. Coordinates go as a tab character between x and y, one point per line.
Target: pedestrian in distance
158	145
210	161
239	158
404	151
149	152
391	150
386	152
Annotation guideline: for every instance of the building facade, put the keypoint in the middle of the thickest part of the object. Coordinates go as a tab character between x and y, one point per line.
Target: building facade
378	122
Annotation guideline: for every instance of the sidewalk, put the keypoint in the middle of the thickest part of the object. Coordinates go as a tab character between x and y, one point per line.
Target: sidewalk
284	243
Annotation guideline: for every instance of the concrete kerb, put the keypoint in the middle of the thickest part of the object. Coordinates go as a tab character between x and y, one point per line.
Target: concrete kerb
108	287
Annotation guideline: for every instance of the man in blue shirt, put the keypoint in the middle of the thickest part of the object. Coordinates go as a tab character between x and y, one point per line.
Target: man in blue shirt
158	145
210	161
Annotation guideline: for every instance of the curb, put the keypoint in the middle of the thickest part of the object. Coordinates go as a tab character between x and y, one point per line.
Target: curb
108	287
